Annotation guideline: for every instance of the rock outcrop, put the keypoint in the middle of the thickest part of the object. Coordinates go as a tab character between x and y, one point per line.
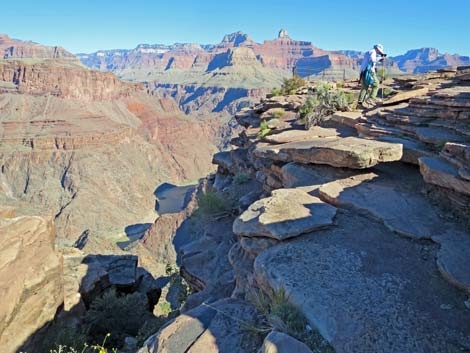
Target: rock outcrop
68	136
17	49
384	214
425	59
208	328
63	79
30	279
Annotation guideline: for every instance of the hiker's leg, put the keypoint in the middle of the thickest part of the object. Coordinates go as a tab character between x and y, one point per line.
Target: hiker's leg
375	87
363	93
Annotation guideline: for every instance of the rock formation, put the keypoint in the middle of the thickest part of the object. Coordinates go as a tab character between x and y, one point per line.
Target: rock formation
30	279
72	138
426	59
204	70
17	49
339	234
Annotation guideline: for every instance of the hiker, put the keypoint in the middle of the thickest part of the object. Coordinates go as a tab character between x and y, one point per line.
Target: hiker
368	76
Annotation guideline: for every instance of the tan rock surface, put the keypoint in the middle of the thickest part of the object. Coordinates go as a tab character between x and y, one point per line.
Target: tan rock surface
349	152
30	279
301	135
286	214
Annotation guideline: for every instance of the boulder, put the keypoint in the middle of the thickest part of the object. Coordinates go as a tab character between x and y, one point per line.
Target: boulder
30	281
87	276
347	118
349	152
287	213
223	159
209	328
279	342
439	172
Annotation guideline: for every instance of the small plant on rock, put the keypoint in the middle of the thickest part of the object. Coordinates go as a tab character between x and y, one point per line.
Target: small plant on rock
323	102
277	91
282	315
241	178
291	85
278	113
264	130
212	202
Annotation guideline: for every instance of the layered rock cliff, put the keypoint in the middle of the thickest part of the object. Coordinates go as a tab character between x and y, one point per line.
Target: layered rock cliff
71	139
335	217
17	49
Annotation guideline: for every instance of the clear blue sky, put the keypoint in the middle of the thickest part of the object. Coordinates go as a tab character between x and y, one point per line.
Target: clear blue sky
90	25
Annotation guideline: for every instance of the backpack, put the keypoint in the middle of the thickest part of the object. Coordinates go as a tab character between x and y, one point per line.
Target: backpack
368	78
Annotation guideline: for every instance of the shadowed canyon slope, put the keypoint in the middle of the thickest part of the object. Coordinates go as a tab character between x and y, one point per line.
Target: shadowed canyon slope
87	149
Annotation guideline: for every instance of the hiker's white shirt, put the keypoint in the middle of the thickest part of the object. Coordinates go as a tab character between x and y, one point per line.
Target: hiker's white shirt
370	57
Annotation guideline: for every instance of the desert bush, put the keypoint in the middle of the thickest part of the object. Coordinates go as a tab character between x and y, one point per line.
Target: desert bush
278	113
241	178
61	337
212	202
340	84
277	91
382	74
283	316
323	102
264	130
121	316
291	85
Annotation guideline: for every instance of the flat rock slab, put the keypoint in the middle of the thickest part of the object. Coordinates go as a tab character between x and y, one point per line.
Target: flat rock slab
404	96
453	259
367	290
287	213
211	328
301	135
395	200
311	177
347	118
392	195
412	150
349	152
439	172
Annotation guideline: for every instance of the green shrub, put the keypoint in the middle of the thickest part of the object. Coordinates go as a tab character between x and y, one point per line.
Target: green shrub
264	130
309	106
323	102
277	91
121	316
291	85
212	202
277	113
241	178
61	335
283	316
382	74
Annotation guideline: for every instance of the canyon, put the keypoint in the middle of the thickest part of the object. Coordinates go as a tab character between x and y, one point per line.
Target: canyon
167	197
238	71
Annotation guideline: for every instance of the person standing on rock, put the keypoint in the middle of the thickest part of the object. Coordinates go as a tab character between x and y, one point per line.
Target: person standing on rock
368	77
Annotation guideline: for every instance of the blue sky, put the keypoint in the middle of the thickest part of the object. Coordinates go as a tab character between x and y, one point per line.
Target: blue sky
89	25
